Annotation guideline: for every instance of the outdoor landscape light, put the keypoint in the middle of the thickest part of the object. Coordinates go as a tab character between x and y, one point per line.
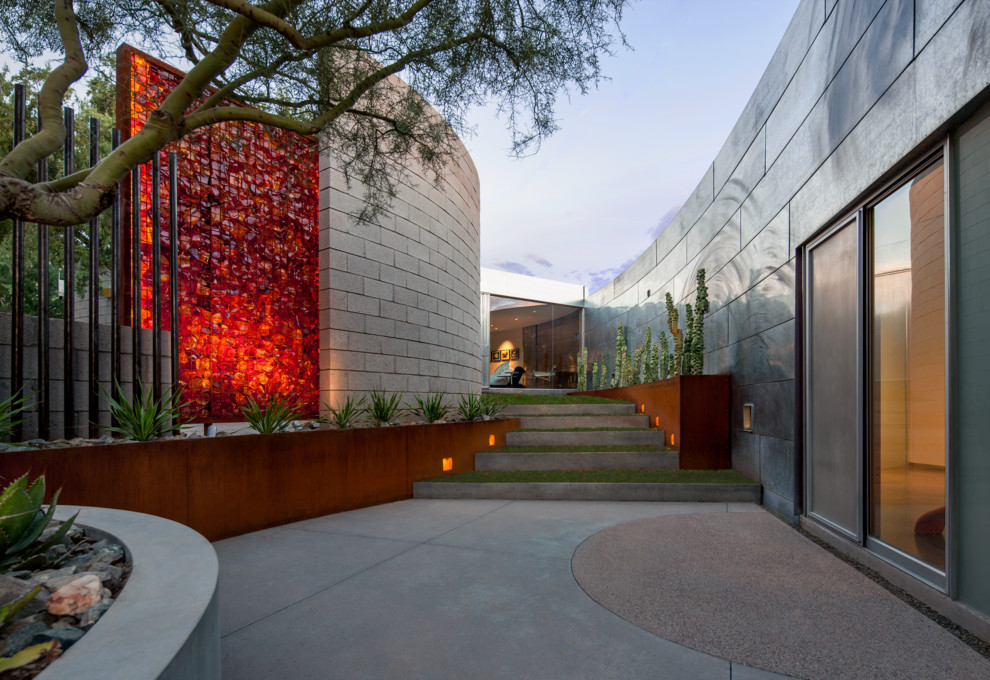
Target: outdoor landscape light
658	421
448	464
491	440
747	416
671	439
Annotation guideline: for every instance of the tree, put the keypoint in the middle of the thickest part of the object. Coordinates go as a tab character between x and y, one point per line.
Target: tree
318	67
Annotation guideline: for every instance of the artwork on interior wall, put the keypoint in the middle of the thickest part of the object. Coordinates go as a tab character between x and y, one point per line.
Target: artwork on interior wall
505	355
248	252
514	354
496	356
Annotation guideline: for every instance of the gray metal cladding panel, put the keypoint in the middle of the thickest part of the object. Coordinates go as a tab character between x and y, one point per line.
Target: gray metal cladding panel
746	452
773	407
646	261
831	48
777	465
768	304
716	330
832	380
763	357
722	249
790	52
761	257
929	17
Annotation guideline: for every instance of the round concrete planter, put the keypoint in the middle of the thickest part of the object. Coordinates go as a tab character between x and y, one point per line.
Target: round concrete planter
165	624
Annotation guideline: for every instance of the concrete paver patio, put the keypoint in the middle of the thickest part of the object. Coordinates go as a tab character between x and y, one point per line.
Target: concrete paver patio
449	589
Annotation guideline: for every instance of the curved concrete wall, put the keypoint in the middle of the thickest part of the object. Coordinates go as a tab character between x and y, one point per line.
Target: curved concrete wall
855	90
399	300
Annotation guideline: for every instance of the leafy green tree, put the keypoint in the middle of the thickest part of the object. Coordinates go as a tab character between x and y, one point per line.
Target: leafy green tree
320	67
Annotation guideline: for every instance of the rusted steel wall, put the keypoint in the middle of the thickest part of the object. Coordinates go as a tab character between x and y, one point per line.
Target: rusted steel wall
692	408
225	486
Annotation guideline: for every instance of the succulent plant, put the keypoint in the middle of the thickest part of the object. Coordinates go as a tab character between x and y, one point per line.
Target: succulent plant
383	408
491	407
347	414
22	520
471	407
274	416
142	418
11	410
430	408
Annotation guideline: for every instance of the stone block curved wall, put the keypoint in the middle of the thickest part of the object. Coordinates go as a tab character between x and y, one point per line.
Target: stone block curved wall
853	93
399	299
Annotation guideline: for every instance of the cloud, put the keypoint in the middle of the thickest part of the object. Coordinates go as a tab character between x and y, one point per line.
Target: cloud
539	260
665	220
597	279
514	267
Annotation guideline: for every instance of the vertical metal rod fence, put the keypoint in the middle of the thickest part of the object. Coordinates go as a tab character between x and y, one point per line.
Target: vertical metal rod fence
94	297
173	269
44	340
17	275
68	293
135	279
118	315
115	283
156	276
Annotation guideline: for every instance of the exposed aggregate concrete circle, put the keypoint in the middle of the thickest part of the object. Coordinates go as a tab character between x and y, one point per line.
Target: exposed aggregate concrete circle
746	587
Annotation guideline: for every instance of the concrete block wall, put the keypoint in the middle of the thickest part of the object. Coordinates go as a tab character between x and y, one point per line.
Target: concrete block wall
400	299
80	358
856	90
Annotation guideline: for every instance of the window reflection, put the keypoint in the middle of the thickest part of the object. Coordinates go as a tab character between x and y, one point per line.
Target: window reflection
907	489
541	339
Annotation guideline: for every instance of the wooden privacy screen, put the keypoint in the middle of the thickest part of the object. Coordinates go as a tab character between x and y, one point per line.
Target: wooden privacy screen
248	252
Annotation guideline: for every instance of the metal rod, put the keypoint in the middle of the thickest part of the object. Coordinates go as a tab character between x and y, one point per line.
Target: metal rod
156	276
68	297
94	298
135	279
17	275
44	341
115	283
173	269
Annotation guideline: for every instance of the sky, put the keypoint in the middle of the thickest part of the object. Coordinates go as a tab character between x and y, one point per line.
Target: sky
628	154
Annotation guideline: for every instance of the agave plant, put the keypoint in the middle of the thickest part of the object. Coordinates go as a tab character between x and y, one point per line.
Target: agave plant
383	408
11	410
274	416
471	407
491	406
143	418
347	414
22	520
431	408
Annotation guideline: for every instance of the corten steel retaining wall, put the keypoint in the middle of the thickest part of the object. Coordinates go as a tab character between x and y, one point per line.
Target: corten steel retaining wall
855	92
692	408
225	486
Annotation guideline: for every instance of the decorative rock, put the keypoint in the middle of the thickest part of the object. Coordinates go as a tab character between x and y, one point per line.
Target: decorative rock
12	588
76	597
95	612
43	577
22	637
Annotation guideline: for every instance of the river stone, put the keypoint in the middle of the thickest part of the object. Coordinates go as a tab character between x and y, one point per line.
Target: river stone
95	612
21	637
76	597
12	588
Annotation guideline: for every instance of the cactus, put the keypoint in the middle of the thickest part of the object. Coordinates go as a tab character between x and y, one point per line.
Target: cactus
688	353
21	522
698	336
665	367
582	370
672	321
655	364
620	357
594	376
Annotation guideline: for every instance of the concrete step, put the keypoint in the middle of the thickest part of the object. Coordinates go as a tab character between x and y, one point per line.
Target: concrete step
569	409
684	493
585	438
578	460
570	422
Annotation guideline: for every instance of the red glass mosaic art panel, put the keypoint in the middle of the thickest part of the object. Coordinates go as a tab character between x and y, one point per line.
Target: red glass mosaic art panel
248	252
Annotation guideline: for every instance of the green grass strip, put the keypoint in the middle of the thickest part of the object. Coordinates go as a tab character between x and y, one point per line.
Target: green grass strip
601	477
513	399
586	429
583	448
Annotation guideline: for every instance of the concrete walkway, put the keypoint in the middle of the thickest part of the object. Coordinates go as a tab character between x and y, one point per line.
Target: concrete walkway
438	589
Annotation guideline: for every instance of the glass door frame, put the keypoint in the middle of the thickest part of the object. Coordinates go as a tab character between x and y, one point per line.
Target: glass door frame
862	214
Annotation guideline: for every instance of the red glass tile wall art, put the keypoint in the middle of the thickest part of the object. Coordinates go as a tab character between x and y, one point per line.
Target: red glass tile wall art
248	260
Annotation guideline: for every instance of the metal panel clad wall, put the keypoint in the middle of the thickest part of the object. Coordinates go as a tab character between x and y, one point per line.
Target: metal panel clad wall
972	349
834	478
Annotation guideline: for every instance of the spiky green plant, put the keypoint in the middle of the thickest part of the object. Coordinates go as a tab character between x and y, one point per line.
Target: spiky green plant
142	418
594	376
491	406
654	364
347	414
384	408
430	408
665	367
12	410
673	318
688	358
22	520
275	415
471	407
